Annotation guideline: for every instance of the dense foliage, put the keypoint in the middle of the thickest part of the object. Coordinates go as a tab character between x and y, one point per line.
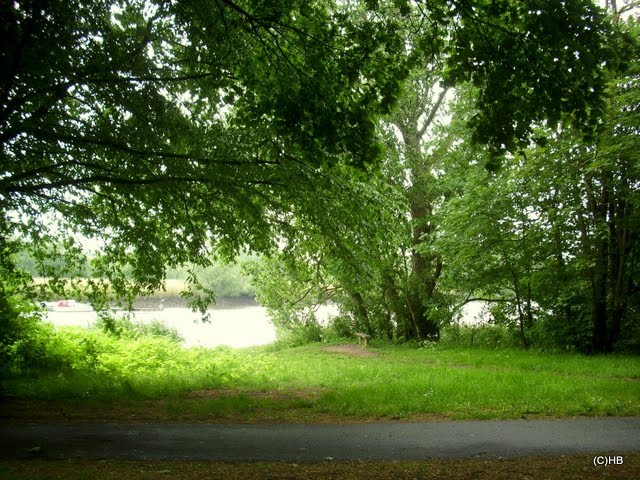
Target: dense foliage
168	130
552	238
546	235
394	157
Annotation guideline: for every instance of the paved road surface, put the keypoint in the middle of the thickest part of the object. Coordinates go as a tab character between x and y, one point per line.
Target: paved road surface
300	443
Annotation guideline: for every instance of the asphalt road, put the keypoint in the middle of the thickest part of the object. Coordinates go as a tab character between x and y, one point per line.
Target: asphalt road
311	443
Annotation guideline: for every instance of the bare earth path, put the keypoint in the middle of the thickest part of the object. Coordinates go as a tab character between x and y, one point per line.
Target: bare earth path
312	443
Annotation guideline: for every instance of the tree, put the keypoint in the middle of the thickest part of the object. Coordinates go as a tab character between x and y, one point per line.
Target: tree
552	233
169	129
532	62
398	296
338	248
611	177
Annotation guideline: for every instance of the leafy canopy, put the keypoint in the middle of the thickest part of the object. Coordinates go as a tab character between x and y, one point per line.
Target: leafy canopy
169	129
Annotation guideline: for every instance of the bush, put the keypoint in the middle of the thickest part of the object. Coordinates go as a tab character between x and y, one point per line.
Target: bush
98	364
482	336
629	341
27	344
554	333
340	326
30	349
298	335
124	327
33	348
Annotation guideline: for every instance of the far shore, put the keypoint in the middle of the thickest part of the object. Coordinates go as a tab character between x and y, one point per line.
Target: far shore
179	302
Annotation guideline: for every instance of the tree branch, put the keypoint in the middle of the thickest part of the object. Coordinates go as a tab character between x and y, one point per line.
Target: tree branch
432	114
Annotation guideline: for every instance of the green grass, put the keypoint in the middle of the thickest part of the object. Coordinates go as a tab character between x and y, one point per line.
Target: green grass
152	379
403	382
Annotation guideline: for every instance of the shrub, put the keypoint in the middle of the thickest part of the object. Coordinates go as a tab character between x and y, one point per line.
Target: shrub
27	344
302	334
551	332
30	350
124	327
340	326
482	336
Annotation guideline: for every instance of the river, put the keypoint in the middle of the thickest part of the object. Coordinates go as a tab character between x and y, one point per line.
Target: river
231	325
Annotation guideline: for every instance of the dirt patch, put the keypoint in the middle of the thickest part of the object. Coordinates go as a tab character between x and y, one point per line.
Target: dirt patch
573	467
349	349
304	394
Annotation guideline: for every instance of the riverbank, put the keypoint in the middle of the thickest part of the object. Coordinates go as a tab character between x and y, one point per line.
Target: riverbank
180	302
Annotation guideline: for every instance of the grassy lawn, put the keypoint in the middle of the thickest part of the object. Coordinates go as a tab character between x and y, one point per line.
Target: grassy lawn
322	383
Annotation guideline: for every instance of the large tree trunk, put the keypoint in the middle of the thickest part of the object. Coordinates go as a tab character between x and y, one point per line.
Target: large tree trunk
425	271
600	272
599	306
619	251
360	312
425	268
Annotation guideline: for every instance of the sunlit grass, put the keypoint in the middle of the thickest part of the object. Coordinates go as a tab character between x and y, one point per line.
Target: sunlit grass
402	382
396	383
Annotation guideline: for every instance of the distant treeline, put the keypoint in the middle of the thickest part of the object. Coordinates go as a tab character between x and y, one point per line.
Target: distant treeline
226	280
